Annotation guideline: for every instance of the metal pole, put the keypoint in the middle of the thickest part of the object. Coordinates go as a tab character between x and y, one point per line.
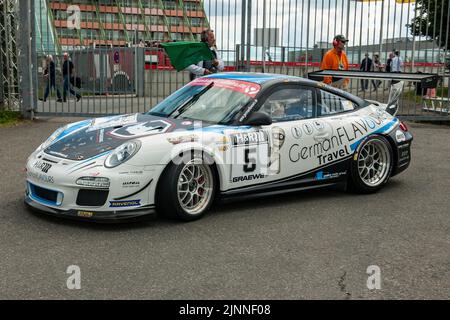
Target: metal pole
2	93
264	38
249	30
307	37
25	63
381	29
241	62
445	56
33	55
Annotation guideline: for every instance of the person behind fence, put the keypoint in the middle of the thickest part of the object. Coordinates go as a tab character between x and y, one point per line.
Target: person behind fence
204	68
68	69
388	67
50	76
377	67
336	59
366	65
396	64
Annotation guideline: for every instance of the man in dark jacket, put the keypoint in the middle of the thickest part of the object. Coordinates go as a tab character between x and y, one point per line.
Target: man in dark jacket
366	65
50	75
204	68
67	73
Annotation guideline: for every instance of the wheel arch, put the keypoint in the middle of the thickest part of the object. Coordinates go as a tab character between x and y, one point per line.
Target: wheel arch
217	172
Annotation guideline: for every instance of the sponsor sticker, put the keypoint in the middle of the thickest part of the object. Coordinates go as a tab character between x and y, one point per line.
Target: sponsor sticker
41	177
308	129
319	125
107	122
296	132
142	129
85	214
132	173
58	154
249	138
42	166
247	88
327	175
123	204
183	139
249	177
400	136
131	184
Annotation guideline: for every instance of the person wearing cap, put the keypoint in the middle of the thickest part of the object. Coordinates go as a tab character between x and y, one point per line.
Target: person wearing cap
68	68
336	59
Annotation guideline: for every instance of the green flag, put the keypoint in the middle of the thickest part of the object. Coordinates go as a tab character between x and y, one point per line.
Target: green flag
184	53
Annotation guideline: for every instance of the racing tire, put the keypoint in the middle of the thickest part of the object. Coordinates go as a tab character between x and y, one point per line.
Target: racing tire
371	165
187	188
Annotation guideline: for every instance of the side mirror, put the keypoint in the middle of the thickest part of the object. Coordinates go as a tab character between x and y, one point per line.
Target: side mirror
259	118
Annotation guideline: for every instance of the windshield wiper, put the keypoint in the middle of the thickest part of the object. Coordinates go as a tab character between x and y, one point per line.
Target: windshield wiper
191	101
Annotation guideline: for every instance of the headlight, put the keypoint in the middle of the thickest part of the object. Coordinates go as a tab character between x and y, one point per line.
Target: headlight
123	153
52	138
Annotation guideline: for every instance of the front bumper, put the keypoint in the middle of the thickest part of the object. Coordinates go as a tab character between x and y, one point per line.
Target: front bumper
89	215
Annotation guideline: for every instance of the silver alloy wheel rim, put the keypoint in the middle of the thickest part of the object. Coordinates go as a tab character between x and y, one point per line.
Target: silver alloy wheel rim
195	186
374	161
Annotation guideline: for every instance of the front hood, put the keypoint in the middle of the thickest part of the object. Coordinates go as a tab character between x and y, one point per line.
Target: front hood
97	136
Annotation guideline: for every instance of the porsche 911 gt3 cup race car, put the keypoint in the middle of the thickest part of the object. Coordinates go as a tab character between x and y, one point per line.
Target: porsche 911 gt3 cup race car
220	136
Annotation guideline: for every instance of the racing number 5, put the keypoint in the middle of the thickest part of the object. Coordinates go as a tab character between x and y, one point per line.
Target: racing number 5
250	163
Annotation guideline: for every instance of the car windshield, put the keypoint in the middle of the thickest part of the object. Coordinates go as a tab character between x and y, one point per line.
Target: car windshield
207	99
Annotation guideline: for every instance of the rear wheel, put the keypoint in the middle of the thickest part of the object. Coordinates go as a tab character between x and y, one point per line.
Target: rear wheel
371	167
187	189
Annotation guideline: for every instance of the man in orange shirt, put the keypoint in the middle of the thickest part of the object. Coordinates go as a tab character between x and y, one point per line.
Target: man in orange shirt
336	59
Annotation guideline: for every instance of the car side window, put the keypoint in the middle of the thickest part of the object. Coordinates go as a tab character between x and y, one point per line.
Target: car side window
332	104
289	104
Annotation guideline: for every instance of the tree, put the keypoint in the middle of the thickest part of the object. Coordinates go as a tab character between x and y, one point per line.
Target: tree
432	21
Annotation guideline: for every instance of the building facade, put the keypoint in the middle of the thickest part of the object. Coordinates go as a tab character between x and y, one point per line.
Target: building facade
86	23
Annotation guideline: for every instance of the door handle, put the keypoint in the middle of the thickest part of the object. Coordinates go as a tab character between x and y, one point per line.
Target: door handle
321	136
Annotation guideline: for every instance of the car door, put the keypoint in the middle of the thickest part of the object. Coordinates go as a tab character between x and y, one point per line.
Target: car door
272	153
337	129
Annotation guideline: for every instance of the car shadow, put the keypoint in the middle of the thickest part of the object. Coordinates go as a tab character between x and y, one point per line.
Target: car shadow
220	208
296	198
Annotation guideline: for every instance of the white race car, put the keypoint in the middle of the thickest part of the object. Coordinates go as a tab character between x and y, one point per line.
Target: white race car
221	136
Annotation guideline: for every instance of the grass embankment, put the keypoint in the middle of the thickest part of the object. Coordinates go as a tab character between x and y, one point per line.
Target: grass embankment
8	117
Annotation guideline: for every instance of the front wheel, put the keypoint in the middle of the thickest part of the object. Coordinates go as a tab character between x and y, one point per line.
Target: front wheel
371	166
187	189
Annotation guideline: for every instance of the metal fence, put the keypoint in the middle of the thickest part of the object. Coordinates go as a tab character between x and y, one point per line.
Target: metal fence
120	68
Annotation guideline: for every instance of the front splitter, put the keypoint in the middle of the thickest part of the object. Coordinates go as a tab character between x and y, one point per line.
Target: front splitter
90	215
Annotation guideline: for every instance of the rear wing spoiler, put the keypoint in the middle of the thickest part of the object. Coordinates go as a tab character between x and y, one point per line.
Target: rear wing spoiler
394	98
427	80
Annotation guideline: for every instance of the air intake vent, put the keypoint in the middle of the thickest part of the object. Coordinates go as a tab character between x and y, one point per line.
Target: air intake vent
92	198
45	194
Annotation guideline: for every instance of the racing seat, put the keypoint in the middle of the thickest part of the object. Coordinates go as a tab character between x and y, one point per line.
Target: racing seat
297	109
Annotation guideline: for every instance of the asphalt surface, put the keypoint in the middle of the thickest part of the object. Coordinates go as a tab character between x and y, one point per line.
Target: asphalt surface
306	245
